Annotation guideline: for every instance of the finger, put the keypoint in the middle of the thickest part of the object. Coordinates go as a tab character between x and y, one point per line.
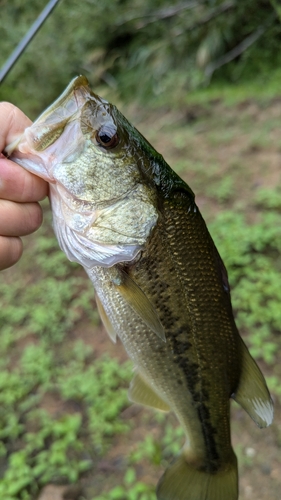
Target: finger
17	184
12	123
10	251
19	219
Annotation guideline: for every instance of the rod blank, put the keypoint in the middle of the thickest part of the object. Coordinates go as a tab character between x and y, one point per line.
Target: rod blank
26	39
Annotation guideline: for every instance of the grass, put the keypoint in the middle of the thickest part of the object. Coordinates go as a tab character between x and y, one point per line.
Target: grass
262	87
251	254
63	401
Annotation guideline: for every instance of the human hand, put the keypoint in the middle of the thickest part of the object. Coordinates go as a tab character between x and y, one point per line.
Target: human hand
20	214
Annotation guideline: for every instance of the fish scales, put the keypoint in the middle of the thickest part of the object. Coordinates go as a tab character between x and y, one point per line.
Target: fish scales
161	286
186	355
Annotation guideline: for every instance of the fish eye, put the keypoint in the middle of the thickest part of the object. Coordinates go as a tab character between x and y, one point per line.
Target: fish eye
107	136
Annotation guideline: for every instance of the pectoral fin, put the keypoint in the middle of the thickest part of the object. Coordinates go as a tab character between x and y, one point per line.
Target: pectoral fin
140	392
107	323
252	393
139	302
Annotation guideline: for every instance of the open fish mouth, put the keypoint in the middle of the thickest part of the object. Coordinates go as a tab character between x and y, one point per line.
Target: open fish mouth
36	149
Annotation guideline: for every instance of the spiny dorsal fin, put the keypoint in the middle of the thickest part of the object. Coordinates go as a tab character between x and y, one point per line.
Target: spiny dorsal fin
140	392
252	392
139	302
107	323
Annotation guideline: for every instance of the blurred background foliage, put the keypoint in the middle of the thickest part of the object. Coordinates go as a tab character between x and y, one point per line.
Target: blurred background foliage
201	79
141	48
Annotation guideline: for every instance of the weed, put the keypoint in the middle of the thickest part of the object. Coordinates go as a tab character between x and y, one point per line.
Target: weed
222	191
131	489
269	198
54	448
149	449
251	254
39	311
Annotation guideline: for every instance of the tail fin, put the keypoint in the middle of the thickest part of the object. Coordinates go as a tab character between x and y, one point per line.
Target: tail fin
181	481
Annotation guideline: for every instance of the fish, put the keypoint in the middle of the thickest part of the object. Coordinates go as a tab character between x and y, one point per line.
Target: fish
161	286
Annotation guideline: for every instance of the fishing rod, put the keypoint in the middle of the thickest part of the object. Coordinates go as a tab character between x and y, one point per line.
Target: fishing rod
27	39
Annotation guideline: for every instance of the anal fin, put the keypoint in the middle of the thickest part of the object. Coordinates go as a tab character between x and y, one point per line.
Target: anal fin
107	323
140	392
252	392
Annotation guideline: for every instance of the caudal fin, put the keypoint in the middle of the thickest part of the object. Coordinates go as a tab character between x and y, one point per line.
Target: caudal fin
181	481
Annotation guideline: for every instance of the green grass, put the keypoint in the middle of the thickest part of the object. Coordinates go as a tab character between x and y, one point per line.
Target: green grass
251	253
130	489
262	87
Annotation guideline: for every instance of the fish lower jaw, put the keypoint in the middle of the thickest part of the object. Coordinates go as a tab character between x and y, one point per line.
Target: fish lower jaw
34	166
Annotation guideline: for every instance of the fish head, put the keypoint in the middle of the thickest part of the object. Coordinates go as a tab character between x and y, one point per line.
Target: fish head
81	142
95	162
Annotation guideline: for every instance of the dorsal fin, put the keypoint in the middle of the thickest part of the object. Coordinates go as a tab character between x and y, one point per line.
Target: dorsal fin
252	392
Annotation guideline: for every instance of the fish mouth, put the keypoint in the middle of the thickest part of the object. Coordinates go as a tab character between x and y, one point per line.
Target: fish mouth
35	150
68	103
19	152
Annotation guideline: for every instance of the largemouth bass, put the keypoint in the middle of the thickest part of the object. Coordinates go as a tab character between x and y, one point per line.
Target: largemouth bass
161	286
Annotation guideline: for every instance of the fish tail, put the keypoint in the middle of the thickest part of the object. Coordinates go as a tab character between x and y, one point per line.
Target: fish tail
182	481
